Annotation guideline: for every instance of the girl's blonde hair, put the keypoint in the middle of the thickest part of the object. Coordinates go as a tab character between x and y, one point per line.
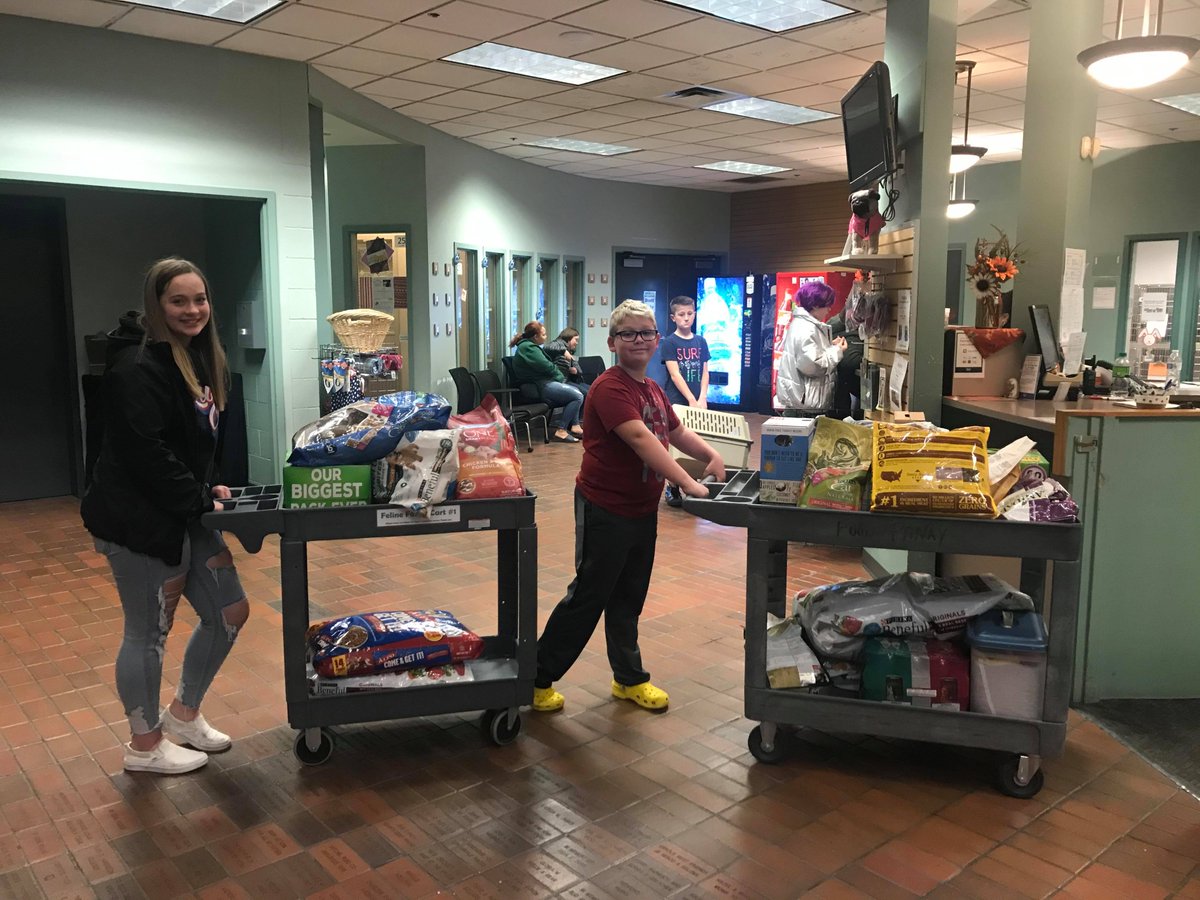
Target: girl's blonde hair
206	342
627	309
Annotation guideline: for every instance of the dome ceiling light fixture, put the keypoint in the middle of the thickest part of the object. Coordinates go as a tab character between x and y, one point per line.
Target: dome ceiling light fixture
963	156
959	207
1128	63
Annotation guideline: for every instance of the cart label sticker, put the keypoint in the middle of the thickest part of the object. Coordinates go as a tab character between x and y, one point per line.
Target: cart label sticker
433	515
474	524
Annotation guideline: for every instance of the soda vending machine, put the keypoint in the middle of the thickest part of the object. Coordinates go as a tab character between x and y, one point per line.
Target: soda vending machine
724	316
776	294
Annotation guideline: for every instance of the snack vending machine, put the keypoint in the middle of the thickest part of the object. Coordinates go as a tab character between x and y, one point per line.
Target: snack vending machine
777	293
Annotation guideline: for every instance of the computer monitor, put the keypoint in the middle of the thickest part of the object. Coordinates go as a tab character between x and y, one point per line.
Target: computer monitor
1043	333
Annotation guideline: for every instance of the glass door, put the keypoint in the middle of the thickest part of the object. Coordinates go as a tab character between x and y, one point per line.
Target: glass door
1150	309
547	308
466	285
495	334
380	260
520	294
573	295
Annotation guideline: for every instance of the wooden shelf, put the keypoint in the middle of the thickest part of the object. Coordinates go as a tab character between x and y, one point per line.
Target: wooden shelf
878	262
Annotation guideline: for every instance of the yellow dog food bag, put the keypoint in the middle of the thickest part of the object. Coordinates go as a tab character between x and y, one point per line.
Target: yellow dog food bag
930	472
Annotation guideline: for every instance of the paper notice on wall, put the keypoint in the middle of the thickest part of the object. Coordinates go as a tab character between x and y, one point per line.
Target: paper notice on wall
968	361
383	294
903	319
1070	312
1074	262
896	382
1073	352
1104	298
1154	318
1031	373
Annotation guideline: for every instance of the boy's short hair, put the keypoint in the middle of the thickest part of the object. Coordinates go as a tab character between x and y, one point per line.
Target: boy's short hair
682	300
626	310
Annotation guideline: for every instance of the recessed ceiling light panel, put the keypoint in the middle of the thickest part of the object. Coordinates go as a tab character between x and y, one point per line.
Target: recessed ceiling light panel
770	15
742	168
240	11
770	111
516	61
580	146
1188	103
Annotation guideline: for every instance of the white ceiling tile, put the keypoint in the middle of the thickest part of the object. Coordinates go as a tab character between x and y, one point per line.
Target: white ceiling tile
521	88
810	96
733	141
823	69
389	102
769	53
472	20
757	84
640	109
699	70
559	40
460	129
268	43
629	18
1001	81
693	118
738	125
348	77
386	10
649	127
548	129
537	109
409	41
318	24
1018	52
632	56
591	119
843	34
431	112
580	98
867	54
403	89
704	36
449	74
361	60
492	120
997	31
473	100
544	9
76	12
173	27
638	87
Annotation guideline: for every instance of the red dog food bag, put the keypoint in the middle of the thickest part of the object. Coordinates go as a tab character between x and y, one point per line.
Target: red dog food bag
371	643
488	465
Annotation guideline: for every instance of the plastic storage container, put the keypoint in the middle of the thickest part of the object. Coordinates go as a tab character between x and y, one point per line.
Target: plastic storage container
1008	663
725	432
924	672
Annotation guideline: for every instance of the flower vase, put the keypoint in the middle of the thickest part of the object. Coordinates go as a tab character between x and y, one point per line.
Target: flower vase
989	310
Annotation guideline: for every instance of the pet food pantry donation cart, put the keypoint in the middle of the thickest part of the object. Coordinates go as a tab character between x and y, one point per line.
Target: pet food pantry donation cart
1024	742
502	677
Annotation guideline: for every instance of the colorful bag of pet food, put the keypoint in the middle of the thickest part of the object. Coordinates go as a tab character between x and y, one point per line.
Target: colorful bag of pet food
838	445
423	468
488	465
366	431
931	472
371	643
835	488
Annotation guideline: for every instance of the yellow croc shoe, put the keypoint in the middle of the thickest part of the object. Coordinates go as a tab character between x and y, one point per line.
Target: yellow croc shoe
644	695
547	699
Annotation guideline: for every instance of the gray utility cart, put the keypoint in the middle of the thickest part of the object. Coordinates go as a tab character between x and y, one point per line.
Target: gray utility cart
502	677
1024	742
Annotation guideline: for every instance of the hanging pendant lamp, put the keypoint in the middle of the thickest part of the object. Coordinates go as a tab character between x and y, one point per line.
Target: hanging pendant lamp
963	156
1128	63
959	207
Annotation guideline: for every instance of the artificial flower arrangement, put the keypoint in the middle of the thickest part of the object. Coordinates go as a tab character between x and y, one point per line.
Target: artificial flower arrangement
995	267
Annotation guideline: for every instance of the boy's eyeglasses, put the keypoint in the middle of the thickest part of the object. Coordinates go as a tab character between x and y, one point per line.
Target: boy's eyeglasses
630	336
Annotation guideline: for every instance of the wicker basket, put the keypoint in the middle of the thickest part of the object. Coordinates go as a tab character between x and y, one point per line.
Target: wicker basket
361	330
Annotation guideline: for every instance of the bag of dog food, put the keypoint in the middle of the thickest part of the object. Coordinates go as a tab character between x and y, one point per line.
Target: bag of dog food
371	643
488	465
838	445
423	468
366	431
834	488
931	472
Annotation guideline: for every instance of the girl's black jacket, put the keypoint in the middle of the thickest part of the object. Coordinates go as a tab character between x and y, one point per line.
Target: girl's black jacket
156	461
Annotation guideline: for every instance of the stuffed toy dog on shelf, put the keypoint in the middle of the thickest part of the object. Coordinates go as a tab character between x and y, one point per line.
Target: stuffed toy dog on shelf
865	224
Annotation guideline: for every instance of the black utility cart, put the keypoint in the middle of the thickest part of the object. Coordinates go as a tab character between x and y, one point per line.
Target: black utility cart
1023	742
502	677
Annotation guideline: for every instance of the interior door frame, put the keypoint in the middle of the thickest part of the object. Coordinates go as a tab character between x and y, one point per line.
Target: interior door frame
1182	288
474	307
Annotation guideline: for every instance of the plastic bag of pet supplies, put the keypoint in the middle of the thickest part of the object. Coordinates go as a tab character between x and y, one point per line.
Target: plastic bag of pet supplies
791	663
425	464
838	618
371	643
367	431
931	472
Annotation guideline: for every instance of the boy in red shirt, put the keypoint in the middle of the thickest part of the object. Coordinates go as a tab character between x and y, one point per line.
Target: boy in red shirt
627	426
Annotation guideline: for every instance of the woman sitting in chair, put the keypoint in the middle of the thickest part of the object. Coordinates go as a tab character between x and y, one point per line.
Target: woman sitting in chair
562	351
532	366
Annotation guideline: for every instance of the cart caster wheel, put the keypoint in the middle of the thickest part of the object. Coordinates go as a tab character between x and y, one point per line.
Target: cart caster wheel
312	757
778	751
1007	782
496	727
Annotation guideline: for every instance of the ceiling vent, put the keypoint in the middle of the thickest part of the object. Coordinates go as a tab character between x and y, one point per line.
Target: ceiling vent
753	179
697	91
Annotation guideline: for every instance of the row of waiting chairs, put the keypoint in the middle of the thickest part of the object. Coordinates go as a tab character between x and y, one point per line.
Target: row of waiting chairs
520	407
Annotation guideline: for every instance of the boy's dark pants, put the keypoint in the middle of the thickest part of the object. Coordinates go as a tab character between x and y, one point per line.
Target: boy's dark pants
614	556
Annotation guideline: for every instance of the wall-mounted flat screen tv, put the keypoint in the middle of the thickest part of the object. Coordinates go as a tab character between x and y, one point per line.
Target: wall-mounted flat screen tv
868	129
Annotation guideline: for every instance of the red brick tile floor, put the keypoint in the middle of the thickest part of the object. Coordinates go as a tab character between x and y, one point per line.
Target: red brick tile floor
602	800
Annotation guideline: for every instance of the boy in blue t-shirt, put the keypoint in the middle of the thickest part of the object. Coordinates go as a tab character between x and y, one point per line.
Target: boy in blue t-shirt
685	357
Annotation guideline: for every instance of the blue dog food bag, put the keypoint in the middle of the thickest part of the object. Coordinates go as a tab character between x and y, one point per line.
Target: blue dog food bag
364	432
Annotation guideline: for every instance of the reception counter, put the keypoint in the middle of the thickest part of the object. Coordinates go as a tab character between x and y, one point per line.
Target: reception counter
1136	478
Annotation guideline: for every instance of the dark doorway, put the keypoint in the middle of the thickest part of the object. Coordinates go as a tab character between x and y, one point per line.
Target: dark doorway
39	409
655	278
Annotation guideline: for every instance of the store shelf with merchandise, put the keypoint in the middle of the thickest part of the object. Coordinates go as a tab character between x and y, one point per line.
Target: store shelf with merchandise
875	262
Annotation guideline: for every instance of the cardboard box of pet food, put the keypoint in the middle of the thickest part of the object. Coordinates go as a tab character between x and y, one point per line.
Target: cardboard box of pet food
316	486
784	456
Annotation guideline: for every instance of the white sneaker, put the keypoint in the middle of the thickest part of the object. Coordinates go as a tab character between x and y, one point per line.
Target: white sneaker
165	759
197	732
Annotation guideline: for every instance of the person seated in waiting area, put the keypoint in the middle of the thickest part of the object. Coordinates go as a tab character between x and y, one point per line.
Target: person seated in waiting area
562	352
532	366
808	366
